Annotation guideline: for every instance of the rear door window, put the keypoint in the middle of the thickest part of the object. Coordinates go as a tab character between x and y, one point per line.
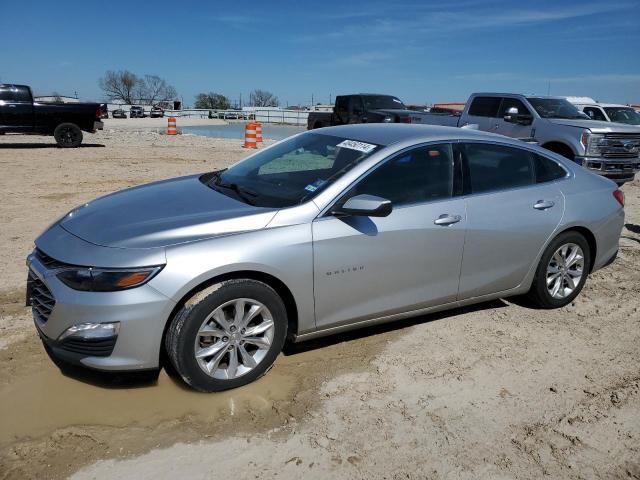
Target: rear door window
342	107
14	94
356	106
485	106
498	167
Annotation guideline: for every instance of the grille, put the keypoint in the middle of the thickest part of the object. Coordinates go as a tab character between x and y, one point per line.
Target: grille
48	261
90	348
40	297
618	143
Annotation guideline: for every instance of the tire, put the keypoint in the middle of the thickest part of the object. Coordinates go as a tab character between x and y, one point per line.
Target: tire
564	283
215	314
68	135
561	149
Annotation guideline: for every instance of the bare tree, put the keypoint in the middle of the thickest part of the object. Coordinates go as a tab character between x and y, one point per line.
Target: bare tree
119	85
263	98
212	100
152	89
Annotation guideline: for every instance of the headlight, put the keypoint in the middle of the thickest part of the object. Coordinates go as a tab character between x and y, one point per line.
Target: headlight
592	144
387	119
104	279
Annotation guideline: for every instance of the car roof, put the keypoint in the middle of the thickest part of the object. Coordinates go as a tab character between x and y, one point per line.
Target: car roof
390	133
368	95
506	94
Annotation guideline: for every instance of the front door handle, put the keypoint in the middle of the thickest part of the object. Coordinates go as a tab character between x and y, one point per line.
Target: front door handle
446	219
543	204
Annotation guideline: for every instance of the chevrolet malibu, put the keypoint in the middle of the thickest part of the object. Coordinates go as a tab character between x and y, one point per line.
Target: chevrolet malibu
329	230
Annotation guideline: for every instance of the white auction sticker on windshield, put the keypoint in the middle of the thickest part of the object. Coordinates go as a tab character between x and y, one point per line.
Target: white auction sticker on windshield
355	145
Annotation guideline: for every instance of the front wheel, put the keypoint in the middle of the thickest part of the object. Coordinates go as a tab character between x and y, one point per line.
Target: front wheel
68	135
562	271
229	338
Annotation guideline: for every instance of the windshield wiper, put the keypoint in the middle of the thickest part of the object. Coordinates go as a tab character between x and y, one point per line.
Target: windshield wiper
242	192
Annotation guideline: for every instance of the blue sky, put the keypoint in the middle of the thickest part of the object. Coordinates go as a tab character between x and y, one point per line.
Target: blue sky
423	52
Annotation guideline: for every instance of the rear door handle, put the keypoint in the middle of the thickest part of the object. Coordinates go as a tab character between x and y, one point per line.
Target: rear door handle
543	204
446	219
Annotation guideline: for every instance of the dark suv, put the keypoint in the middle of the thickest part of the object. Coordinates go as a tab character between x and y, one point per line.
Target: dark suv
136	112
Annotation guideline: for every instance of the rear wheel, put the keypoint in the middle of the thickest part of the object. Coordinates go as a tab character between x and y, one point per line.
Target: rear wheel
229	338
68	135
562	271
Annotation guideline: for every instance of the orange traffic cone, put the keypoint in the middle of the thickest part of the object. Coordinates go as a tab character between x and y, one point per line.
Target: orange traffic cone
258	132
171	126
250	135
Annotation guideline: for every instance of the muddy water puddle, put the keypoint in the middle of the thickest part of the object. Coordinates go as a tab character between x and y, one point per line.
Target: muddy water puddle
47	400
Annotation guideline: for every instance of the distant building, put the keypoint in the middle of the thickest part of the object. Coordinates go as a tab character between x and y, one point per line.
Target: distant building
321	107
448	107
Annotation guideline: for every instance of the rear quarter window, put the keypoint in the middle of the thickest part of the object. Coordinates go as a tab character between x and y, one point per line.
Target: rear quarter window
485	106
548	170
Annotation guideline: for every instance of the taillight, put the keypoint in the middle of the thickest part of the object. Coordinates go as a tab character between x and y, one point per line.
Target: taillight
406	120
99	113
619	196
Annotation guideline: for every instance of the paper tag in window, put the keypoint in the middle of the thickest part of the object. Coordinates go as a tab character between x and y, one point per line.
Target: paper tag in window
359	146
312	187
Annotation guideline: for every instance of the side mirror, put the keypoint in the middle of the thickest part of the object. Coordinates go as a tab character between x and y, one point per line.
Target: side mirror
511	116
364	205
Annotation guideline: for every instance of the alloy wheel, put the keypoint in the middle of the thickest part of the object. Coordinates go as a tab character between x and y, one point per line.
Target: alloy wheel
234	338
565	270
69	136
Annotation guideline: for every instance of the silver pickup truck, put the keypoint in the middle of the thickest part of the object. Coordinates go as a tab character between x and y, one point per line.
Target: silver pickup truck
609	149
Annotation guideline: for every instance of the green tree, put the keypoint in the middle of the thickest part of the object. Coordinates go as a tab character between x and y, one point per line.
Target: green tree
212	100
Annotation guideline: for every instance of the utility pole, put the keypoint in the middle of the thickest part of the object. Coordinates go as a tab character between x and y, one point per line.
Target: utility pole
312	99
329	99
240	100
549	88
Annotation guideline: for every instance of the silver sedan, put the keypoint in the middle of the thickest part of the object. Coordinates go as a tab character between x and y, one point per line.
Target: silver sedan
329	230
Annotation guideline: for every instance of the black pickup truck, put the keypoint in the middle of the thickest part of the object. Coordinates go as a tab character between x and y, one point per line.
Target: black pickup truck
65	121
364	108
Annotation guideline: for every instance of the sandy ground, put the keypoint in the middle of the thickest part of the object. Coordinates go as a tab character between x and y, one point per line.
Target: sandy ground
492	391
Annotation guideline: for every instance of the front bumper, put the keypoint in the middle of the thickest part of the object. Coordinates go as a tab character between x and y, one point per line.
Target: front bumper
141	312
618	170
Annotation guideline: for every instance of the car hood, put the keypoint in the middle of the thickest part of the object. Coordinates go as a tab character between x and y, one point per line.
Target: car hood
597	125
163	213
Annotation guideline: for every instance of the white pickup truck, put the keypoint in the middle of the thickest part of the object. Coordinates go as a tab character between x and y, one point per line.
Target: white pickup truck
606	112
609	149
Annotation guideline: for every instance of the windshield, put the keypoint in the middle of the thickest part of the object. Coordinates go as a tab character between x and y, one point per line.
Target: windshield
293	171
556	108
623	115
379	102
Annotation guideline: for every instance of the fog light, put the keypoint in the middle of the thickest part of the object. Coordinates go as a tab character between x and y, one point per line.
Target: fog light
91	331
